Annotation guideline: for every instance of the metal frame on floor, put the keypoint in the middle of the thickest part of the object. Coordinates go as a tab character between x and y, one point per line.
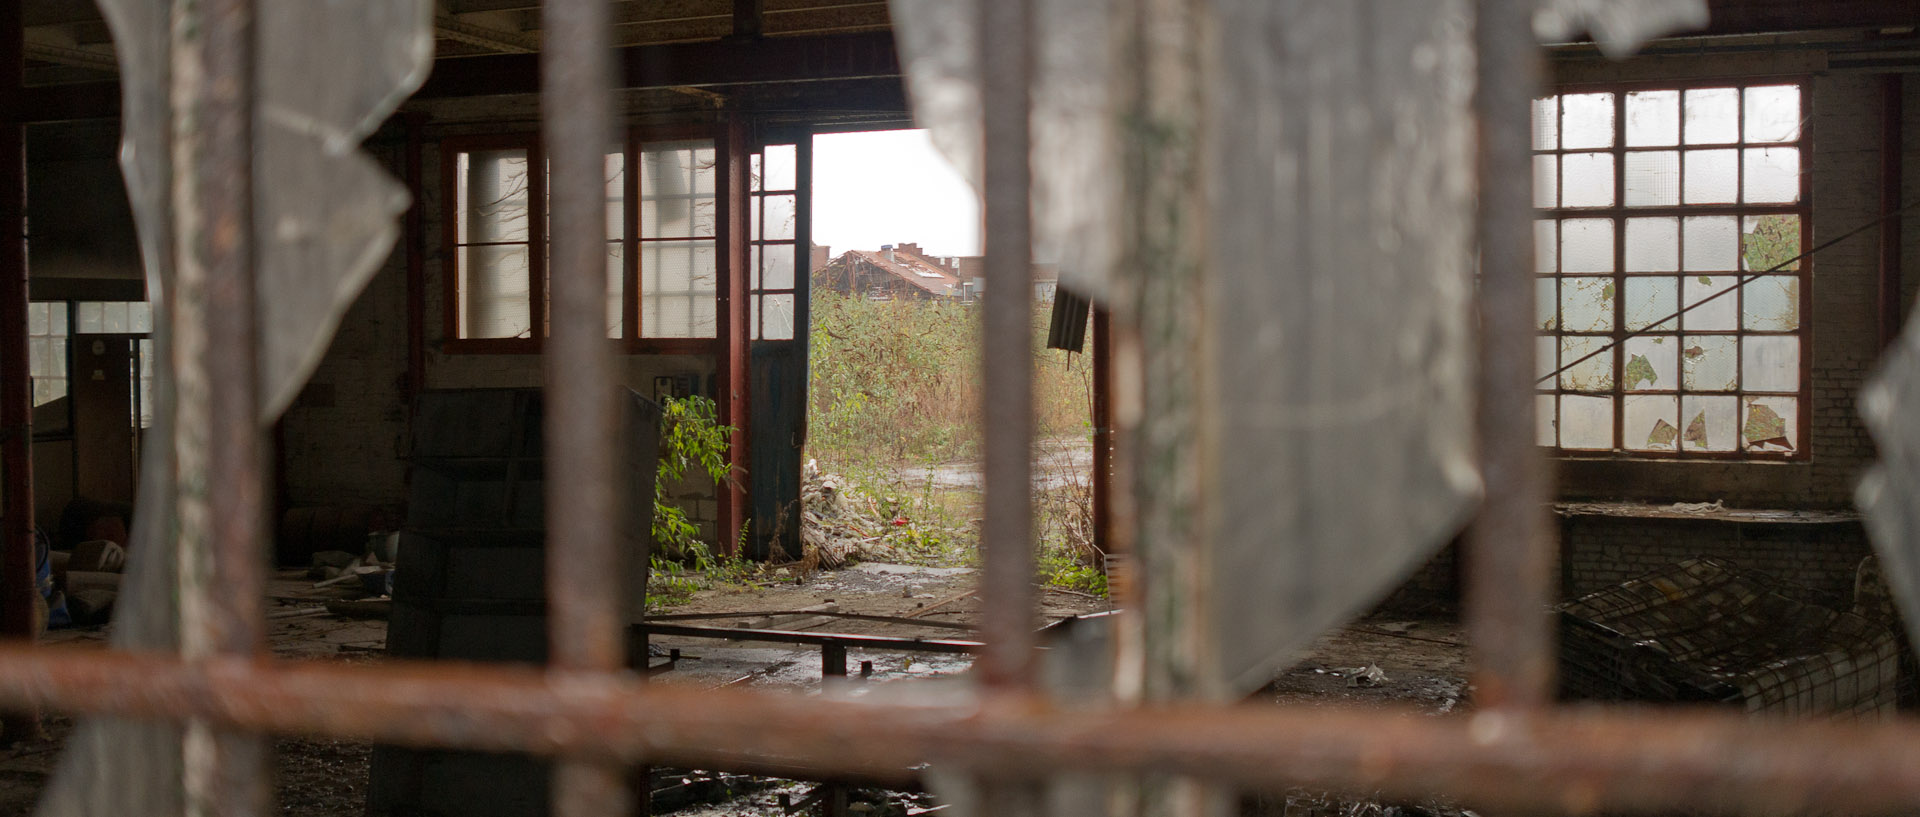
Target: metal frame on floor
1517	752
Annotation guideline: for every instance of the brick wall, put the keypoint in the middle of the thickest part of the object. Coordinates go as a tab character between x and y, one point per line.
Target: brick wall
1598	552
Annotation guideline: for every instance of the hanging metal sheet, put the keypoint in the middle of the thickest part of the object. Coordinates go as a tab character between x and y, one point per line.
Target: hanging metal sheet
1889	494
1620	27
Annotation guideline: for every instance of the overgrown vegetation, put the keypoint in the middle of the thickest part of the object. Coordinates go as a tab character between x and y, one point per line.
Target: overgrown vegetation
692	440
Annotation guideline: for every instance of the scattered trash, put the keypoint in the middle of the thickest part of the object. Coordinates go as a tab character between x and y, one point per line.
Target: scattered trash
1370	675
1700	507
1397	626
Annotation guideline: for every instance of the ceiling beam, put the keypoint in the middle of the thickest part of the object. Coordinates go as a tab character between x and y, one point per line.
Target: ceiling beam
58	12
510	42
787	59
73	57
1732	17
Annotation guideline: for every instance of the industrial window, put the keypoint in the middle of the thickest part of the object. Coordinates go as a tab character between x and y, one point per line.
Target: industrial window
774	189
665	252
1670	303
47	351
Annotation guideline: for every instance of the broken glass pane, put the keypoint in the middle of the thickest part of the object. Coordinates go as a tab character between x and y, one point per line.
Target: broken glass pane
1586	423
1773	113
1653	119
1771	303
1769	423
1586	304
1586	245
1653	178
1546	248
1546	123
1770	363
1653	245
1770	242
1712	116
1722	313
1710	244
1588	179
1710	422
1772	176
1650	299
1707	363
1546	182
1586	121
1712	176
1594	372
1651	422
1546	305
1653	363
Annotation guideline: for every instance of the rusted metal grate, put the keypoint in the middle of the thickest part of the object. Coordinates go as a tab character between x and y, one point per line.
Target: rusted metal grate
1519	752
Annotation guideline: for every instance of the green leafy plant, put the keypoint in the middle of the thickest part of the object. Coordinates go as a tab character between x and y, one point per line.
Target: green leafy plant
691	440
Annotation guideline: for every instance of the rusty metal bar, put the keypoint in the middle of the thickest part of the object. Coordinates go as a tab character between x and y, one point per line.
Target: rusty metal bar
1006	536
219	440
585	569
1576	760
16	380
1510	546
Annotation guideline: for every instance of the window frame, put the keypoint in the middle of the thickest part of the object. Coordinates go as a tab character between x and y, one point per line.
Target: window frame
632	139
1619	212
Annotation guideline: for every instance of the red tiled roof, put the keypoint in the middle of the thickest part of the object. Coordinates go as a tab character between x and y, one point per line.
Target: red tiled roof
913	269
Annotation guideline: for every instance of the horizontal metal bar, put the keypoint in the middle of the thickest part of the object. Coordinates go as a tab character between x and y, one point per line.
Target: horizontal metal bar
865	642
1571	760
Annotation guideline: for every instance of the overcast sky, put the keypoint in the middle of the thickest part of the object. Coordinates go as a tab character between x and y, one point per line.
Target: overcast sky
890	187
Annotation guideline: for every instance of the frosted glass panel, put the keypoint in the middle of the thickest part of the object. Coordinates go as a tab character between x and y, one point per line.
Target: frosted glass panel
1653	178
1773	113
1586	304
495	300
1651	423
1653	245
1546	248
1546	124
1546	358
1712	423
1544	416
1770	363
1586	121
676	190
1710	244
1771	303
1652	363
1712	116
678	281
1651	299
1720	314
1546	304
1772	176
491	196
1546	190
777	317
1586	245
1653	118
616	286
1712	177
779	168
1588	180
1591	374
1586	422
1707	363
778	224
776	266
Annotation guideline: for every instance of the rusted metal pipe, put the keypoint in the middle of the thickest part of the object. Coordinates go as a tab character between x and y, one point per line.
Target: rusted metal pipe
1006	535
1509	553
586	572
1576	760
1892	175
218	437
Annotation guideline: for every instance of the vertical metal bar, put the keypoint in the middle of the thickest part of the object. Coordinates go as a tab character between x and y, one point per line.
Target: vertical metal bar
1102	400
584	566
1510	547
1006	59
1892	174
219	441
731	325
16	376
416	252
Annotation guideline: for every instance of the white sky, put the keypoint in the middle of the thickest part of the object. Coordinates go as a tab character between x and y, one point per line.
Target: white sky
890	187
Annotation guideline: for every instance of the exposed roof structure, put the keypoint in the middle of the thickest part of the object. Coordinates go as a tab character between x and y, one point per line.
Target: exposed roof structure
911	268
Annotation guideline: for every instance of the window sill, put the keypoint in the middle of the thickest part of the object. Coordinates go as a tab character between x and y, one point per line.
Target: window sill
629	346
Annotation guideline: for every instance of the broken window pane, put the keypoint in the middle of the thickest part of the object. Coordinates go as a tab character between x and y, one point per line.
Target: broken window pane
1586	245
1651	299
1588	180
1770	363
1586	304
1712	116
1710	244
1772	176
1651	422
1710	422
1769	423
1653	363
1722	313
1770	242
1594	373
777	317
1653	245
1653	178
1773	113
1771	303
1586	423
1546	183
1653	118
1707	363
1586	121
1712	177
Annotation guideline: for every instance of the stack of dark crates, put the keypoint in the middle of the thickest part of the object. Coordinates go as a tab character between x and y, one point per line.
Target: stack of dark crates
470	584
